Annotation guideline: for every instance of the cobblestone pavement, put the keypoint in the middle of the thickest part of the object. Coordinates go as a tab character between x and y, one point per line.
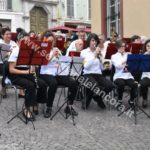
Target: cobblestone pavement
95	129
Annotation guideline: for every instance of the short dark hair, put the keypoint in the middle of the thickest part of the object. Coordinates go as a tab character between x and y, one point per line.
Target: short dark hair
134	37
92	36
4	30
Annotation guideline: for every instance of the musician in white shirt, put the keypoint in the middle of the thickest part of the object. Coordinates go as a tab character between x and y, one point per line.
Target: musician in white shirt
93	66
145	79
121	76
49	74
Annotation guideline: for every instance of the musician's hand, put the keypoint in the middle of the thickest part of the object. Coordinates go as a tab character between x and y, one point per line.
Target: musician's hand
31	70
97	52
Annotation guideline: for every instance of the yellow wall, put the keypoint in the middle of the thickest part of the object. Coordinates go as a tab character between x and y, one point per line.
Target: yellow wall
136	19
96	16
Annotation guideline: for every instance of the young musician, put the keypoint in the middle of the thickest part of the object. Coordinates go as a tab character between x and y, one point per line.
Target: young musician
6	39
23	76
121	76
49	74
145	79
93	72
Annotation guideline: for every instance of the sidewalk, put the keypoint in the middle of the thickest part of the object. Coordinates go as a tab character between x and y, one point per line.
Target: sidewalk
95	129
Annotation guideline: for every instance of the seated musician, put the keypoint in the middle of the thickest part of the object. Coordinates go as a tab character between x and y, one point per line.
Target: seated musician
72	46
78	46
145	79
49	74
92	72
22	76
121	76
6	39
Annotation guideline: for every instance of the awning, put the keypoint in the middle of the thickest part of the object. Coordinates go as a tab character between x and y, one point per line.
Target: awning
62	28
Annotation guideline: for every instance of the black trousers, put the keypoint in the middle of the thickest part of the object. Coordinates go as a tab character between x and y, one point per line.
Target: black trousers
97	86
121	83
32	94
54	81
145	83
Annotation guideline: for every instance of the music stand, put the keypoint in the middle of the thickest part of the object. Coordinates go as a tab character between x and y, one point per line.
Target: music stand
138	63
68	70
111	49
134	48
32	53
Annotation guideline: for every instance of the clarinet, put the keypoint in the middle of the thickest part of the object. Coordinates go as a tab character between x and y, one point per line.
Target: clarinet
35	79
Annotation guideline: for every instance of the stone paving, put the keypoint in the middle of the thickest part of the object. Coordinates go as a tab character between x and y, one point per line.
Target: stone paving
95	129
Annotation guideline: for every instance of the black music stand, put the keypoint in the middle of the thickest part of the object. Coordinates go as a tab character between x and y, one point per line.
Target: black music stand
32	53
138	63
70	61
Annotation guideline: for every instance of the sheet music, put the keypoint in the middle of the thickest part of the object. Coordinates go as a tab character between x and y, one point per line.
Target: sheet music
77	66
65	62
64	66
5	48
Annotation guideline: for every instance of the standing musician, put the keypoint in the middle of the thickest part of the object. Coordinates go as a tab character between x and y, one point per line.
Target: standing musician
145	79
49	74
121	76
92	72
23	76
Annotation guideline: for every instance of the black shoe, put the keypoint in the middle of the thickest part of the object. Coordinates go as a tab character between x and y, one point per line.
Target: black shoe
70	111
28	115
131	103
48	112
101	104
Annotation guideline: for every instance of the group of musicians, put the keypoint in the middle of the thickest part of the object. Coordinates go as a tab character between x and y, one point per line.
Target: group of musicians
48	80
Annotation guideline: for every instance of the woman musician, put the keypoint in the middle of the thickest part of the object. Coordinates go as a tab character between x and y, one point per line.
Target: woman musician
121	75
145	79
93	66
23	76
49	74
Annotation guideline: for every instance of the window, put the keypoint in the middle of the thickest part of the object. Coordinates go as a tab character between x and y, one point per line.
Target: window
70	8
89	9
9	4
5	4
113	16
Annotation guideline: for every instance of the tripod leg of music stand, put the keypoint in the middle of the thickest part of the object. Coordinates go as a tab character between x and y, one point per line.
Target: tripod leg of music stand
124	111
144	112
17	115
58	110
72	116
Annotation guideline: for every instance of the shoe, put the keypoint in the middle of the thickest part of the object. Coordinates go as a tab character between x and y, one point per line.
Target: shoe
70	111
35	110
144	104
101	104
21	96
131	103
48	112
28	115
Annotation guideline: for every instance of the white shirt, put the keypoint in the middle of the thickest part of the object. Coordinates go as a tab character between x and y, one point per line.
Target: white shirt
92	64
72	47
117	60
11	43
145	75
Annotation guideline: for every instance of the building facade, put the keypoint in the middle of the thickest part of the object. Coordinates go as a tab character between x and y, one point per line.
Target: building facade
39	15
74	13
34	15
127	17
